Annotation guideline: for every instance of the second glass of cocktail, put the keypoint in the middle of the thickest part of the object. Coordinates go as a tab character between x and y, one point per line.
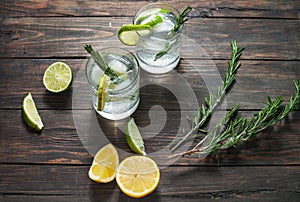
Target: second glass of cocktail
158	51
113	76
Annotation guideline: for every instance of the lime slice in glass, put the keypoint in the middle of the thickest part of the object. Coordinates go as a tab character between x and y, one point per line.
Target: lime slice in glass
128	33
30	113
57	77
134	138
102	94
153	20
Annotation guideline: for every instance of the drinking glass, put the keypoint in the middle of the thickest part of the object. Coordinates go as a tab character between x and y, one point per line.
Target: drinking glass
120	99
158	52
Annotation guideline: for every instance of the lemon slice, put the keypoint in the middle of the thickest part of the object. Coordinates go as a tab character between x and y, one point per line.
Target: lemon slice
138	176
30	113
57	77
105	163
134	138
128	33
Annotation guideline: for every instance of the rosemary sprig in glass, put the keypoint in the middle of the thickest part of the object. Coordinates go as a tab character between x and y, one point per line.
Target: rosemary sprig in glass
102	64
234	129
211	102
180	20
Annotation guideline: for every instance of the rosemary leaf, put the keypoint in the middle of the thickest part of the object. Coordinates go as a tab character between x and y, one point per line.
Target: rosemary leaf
180	20
100	62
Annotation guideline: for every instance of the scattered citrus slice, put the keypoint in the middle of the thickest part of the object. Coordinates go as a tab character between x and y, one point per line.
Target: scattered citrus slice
104	165
128	33
138	176
57	77
134	138
30	113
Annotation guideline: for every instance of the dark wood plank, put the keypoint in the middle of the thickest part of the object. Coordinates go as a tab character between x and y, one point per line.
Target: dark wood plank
254	82
215	8
205	38
224	183
62	143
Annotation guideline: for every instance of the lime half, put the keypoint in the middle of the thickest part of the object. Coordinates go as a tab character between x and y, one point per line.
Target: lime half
128	33
30	113
134	138
57	77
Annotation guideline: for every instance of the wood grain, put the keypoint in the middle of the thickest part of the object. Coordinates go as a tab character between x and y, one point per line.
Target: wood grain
204	38
62	143
224	183
53	165
255	81
214	8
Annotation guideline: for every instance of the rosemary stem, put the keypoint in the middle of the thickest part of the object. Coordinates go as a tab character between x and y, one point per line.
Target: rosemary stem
203	120
233	66
238	129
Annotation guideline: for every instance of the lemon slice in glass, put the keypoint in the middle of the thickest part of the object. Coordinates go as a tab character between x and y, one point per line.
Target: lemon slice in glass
57	77
30	113
134	138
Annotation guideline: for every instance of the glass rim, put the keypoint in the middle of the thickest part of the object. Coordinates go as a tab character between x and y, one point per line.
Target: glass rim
116	48
157	3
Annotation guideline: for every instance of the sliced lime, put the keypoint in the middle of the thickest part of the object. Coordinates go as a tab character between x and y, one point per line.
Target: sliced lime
30	113
57	77
104	84
151	17
128	33
134	138
152	20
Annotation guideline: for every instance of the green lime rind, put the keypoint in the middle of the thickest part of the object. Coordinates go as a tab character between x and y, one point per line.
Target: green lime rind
30	113
157	19
128	35
134	138
151	13
162	10
104	84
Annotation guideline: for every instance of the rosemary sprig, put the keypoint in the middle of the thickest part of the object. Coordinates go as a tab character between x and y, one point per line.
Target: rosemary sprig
211	102
180	20
233	130
100	62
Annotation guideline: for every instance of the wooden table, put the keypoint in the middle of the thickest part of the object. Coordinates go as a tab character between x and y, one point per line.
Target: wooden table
52	165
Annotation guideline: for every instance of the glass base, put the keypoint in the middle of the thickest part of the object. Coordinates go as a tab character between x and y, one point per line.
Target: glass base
120	116
158	69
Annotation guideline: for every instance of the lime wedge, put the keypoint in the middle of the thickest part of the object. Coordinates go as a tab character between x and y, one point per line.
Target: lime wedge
57	77
128	33
134	138
30	113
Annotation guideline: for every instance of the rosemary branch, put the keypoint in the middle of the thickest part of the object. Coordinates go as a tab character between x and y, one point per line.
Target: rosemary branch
180	20
234	129
102	64
211	102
